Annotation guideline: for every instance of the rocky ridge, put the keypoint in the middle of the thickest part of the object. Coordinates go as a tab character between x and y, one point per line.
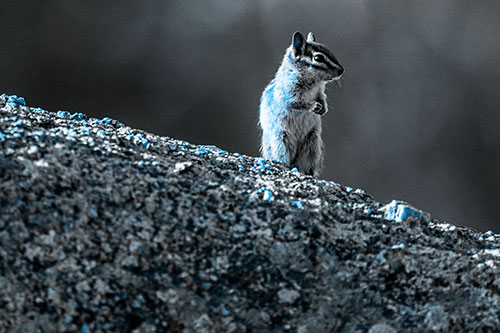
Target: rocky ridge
107	228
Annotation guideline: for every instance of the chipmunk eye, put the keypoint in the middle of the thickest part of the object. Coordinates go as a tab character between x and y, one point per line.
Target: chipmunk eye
319	58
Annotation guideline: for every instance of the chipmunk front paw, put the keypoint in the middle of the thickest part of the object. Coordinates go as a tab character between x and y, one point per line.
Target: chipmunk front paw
318	108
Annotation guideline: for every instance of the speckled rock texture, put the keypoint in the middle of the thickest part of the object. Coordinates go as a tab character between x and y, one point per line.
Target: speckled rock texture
105	228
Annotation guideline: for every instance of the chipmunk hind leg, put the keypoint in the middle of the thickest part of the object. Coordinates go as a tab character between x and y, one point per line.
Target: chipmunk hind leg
274	147
309	155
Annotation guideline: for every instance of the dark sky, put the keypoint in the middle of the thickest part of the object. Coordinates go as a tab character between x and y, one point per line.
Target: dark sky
415	116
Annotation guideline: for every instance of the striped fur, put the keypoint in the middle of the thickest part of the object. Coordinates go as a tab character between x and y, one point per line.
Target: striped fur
292	105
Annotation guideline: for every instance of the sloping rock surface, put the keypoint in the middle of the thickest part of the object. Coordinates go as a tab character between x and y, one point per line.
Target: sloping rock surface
105	228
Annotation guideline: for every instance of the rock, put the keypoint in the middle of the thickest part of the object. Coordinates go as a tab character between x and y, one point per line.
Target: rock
382	328
107	228
288	296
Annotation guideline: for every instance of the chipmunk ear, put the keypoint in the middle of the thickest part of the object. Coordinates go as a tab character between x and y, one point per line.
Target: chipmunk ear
298	43
310	37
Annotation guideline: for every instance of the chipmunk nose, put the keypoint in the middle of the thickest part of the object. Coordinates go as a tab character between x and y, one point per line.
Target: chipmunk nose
340	71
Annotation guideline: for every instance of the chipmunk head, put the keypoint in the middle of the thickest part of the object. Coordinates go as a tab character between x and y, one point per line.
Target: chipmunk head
314	60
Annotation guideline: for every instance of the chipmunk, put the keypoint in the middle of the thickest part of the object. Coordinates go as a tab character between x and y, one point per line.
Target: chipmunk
292	104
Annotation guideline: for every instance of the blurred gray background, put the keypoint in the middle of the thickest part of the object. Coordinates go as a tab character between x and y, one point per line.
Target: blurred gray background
415	117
